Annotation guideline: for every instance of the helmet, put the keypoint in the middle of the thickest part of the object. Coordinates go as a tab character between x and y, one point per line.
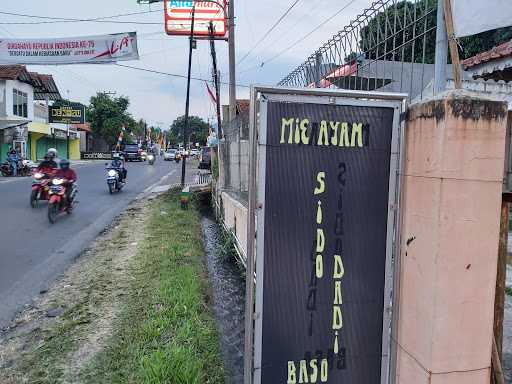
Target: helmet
52	152
64	164
116	156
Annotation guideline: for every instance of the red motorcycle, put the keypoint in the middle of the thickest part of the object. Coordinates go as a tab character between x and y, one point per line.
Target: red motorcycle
40	186
58	203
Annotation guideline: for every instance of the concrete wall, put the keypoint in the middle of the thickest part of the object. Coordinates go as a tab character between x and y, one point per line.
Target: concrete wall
235	219
234	166
455	149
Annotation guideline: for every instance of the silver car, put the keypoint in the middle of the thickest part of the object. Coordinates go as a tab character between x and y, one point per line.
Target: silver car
170	155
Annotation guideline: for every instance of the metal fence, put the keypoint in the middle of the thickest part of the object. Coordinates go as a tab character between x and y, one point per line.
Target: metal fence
388	47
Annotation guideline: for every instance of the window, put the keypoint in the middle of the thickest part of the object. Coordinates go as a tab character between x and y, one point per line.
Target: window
19	103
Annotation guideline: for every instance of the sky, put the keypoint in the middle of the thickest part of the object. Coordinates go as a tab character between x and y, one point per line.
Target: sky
160	99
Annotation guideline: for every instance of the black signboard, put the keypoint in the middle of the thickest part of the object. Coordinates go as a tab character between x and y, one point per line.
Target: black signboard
67	114
327	178
96	155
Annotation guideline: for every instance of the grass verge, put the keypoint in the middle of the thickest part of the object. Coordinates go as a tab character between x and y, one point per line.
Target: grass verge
135	309
166	332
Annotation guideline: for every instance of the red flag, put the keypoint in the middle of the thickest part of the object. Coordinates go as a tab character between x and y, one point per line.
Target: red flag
210	93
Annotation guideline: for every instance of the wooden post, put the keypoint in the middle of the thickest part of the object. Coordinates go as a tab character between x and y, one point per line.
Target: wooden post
496	365
499	303
454	50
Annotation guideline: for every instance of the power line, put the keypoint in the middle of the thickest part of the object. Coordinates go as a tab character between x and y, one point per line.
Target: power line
282	52
270	30
174	74
103	19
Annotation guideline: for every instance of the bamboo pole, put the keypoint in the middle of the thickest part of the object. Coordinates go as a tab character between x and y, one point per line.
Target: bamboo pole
454	50
496	364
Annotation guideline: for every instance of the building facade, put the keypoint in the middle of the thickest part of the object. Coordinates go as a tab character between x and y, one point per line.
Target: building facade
16	108
24	119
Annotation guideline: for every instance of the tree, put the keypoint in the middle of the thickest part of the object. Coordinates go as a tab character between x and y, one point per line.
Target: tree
197	132
107	115
378	42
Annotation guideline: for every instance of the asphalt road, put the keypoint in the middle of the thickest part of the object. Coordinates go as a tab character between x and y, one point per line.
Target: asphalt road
33	252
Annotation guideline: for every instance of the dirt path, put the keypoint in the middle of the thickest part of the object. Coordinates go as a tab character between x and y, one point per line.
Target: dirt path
66	327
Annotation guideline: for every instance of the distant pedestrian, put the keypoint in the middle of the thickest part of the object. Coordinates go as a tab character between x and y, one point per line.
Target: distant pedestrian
13	158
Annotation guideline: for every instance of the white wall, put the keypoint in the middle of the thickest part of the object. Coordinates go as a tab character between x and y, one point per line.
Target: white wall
23	87
3	98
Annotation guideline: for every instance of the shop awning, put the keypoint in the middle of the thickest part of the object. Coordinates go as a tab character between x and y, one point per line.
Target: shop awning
13	122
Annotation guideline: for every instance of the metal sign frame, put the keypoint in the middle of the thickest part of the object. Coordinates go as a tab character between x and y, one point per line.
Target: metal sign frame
255	245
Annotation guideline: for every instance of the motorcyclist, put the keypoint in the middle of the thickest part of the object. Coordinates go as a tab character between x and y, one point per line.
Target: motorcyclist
118	164
52	152
13	158
69	175
48	164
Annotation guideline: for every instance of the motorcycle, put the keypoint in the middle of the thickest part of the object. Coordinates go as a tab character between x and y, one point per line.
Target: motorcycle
58	203
151	159
40	188
23	168
113	181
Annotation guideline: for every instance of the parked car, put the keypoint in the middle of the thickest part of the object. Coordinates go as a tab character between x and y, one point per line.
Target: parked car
205	159
132	152
170	155
195	152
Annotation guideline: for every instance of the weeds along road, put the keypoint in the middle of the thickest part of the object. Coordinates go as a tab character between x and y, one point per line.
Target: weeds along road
33	252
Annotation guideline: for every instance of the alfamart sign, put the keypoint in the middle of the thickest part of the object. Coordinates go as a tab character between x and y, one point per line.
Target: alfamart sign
327	187
78	50
178	17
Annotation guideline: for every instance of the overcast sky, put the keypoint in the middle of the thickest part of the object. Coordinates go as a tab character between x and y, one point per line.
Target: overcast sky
160	99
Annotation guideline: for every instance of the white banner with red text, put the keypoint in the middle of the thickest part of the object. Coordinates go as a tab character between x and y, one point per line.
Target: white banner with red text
70	50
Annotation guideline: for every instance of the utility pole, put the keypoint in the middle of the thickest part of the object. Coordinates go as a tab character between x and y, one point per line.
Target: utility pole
441	60
187	105
215	77
232	76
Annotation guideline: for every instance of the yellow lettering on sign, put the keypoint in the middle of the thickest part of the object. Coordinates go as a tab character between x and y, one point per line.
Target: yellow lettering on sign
320	178
286	123
323	137
292	375
304	131
337	319
334	137
338	299
319	215
319	266
308	371
339	270
357	135
344	141
303	372
320	240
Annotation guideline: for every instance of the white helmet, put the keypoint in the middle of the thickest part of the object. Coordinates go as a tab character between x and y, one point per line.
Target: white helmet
52	152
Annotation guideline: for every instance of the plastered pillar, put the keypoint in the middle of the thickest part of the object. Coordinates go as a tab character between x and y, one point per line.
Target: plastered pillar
455	148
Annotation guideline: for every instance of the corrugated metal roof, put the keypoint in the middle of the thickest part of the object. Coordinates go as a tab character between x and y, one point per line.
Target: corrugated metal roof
44	85
14	72
499	52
